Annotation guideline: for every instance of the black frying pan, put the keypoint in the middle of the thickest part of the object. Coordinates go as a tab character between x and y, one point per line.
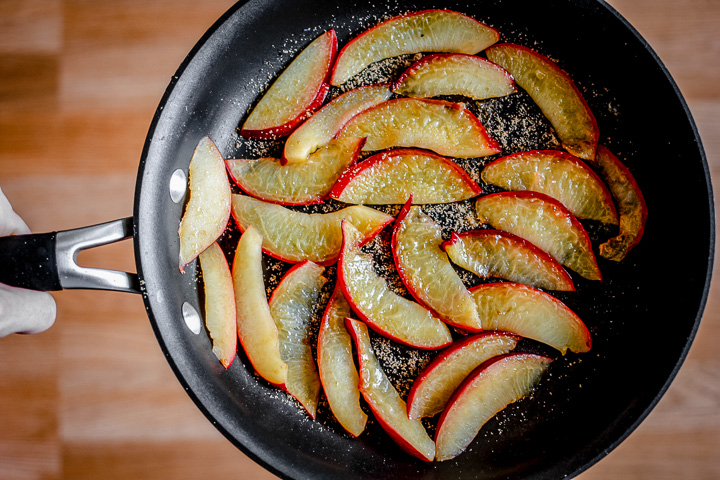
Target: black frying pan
642	318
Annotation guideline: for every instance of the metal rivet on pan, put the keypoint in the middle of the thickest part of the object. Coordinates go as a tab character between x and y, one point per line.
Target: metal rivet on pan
178	185
191	317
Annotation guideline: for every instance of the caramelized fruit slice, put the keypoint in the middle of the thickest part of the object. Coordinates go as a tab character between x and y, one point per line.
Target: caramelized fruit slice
386	312
391	177
320	129
426	271
446	128
556	95
294	236
631	205
299	90
256	328
424	31
545	223
219	304
384	401
437	382
208	210
488	390
492	253
300	183
557	174
338	374
291	306
531	313
454	74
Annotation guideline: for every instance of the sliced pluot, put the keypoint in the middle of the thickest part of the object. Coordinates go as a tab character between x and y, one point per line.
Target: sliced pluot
630	203
435	385
219	304
257	332
389	314
208	210
299	183
558	174
384	401
493	253
321	127
294	236
446	128
338	374
292	306
488	390
531	313
545	223
391	177
556	95
298	91
426	271
454	74
423	31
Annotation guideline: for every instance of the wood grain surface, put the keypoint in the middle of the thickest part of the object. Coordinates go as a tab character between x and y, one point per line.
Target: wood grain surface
94	397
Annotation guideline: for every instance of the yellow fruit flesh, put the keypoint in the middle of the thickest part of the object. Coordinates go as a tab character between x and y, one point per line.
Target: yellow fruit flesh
428	273
531	313
292	306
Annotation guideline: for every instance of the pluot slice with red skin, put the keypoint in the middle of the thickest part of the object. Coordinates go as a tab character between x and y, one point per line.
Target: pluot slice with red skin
299	183
555	93
454	74
425	270
544	222
489	389
256	328
299	90
336	366
293	236
384	401
321	127
446	128
424	31
292	306
220	318
631	205
208	209
494	253
391	177
435	385
386	312
558	174
531	313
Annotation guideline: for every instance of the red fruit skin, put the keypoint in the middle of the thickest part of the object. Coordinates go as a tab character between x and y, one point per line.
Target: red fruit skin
287	127
368	321
455	237
440	357
327	262
404	444
429	58
358	168
491	142
562	72
570	158
460	390
392	19
572	218
321	199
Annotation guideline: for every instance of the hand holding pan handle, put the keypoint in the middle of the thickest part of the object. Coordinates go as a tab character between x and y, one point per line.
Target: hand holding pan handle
48	261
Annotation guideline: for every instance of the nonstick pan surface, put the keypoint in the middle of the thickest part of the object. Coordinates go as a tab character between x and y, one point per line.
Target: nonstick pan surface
641	328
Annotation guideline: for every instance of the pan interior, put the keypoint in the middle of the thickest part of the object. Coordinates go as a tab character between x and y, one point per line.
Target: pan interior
642	317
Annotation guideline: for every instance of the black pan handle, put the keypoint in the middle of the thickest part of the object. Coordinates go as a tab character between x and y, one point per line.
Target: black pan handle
48	261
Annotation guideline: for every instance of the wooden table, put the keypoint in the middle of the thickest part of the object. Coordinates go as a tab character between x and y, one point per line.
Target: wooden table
94	397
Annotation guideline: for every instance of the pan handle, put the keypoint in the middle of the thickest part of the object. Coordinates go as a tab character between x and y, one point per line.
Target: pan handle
48	261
